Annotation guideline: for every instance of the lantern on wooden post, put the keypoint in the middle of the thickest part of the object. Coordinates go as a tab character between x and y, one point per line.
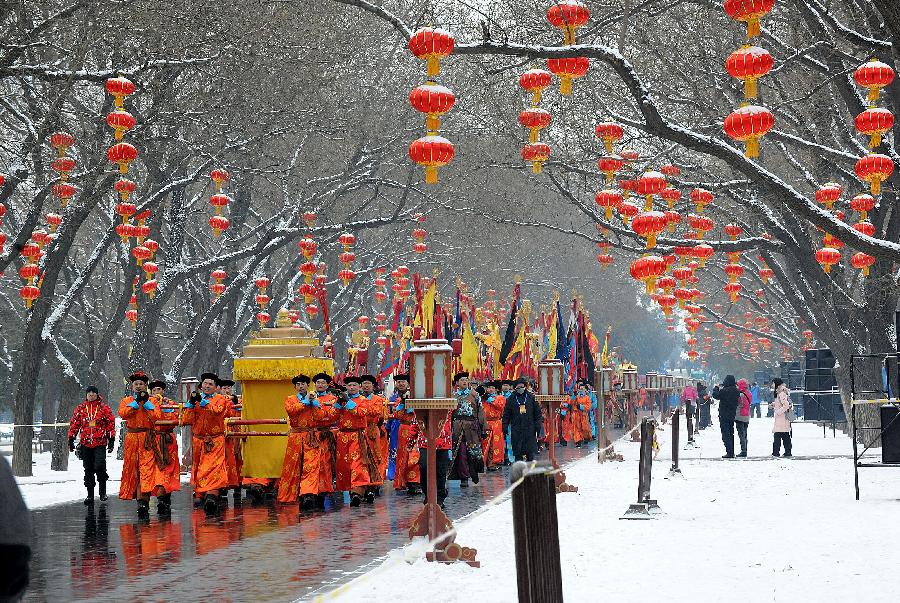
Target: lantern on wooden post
430	362
551	394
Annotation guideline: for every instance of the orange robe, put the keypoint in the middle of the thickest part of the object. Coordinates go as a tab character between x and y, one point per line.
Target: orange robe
567	422
208	473
355	462
581	418
406	470
232	448
378	441
139	465
494	445
167	476
307	459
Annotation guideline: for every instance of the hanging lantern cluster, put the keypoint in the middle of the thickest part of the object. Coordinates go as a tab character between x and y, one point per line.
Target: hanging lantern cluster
534	81
218	286
219	200
874	168
120	153
380	284
308	267
2	213
750	122
30	272
347	257
145	252
131	314
400	287
262	300
568	16
62	164
419	234
432	150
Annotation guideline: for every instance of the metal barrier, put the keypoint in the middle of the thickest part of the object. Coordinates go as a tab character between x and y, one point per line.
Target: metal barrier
641	509
676	442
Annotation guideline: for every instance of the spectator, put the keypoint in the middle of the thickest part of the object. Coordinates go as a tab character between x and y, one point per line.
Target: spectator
755	400
95	426
742	416
728	396
689	399
782	427
703	404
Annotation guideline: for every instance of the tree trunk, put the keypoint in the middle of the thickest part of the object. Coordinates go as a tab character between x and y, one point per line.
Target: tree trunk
70	391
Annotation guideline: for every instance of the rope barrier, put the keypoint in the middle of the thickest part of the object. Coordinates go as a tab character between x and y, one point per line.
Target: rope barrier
34	425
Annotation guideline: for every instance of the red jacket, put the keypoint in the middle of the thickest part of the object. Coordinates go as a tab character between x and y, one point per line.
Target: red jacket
95	422
445	439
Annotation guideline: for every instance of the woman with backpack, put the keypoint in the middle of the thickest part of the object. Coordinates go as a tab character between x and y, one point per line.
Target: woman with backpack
742	416
782	427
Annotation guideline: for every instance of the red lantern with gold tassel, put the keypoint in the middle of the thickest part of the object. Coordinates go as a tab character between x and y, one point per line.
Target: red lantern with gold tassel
609	165
609	133
431	152
862	261
748	124
874	123
749	12
608	200
535	81
874	169
873	75
568	69
568	16
828	194
535	120
749	63
536	153
433	100
648	225
863	204
431	44
828	257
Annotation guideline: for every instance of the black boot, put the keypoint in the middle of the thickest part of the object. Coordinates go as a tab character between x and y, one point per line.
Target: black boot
463	483
370	496
102	486
164	504
355	499
307	502
143	509
89	501
320	502
256	494
211	503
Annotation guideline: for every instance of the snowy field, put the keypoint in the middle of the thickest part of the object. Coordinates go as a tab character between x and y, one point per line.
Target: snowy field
737	530
46	487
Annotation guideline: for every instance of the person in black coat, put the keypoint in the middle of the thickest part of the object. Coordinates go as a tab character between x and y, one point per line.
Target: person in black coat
15	537
728	395
523	415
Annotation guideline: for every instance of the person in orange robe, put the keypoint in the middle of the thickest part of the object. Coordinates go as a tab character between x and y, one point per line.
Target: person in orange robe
167	474
355	462
378	441
205	412
406	461
233	459
307	447
139	466
566	433
581	408
494	445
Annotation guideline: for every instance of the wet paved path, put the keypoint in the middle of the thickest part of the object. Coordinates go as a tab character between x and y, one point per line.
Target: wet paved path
263	552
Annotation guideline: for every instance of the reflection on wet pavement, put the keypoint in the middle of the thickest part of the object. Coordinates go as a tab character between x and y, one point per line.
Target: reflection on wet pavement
261	552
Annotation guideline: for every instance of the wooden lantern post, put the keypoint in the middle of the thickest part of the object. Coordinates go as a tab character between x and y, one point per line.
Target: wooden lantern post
430	362
550	386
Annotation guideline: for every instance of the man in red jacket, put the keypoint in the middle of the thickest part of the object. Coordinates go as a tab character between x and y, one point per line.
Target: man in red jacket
95	426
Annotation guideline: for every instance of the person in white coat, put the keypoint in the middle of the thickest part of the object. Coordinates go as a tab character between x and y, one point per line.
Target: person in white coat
782	427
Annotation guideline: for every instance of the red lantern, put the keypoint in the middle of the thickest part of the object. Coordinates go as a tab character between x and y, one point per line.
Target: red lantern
610	133
832	241
765	274
568	15
263	318
535	81
749	63
749	11
865	227
123	154
873	75
535	120
29	293
701	197
608	200
262	283
862	261
149	288
647	269
61	141
605	259
650	184
125	188
262	300
537	153
874	123
29	272
126	210
670	170
666	283
419	234
733	290
420	247
54	220
346	275
701	224
219	176
627	211
828	257
119	87
312	310
120	121
666	302
671	196
733	231
874	169
648	225
308	269
347	257
702	253
828	194
150	268
609	165
748	124
64	191
2	241
734	272
862	203
308	247
432	152
219	200
309	218
431	44
347	240
433	100
141	253
62	166
568	69
219	224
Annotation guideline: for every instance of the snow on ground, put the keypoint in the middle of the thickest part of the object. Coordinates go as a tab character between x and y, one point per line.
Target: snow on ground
47	487
736	530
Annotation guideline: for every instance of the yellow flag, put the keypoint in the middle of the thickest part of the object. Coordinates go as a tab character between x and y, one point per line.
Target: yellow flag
551	340
469	355
604	355
427	318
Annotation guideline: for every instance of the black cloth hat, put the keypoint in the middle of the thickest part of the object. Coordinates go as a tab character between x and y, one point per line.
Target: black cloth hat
157	383
370	378
459	376
495	384
352	379
401	377
300	379
521	381
509	382
226	383
213	376
324	376
776	382
139	376
91	389
481	391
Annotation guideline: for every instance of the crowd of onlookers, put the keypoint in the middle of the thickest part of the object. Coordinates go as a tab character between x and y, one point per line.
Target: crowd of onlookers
738	401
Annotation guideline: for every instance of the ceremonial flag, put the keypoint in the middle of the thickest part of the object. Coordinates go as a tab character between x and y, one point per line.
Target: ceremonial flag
510	336
562	346
457	318
550	340
321	295
604	355
469	355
